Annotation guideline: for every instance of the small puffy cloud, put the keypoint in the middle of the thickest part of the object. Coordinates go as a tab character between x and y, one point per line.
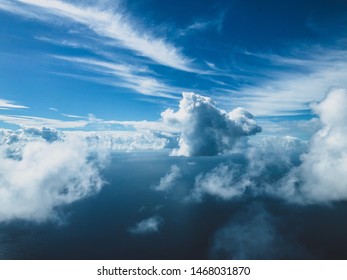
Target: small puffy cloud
147	226
205	129
170	179
40	171
322	176
223	182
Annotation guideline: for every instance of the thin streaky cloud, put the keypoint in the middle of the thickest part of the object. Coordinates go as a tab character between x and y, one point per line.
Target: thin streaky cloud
201	25
62	42
289	93
128	76
112	25
7	105
29	121
73	116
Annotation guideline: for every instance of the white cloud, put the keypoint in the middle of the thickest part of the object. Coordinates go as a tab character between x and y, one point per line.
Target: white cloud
290	92
263	163
170	179
7	104
322	176
109	24
205	129
288	168
127	76
222	181
31	121
43	168
147	226
37	175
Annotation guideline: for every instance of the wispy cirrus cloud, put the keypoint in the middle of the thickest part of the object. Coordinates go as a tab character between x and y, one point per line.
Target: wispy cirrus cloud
201	25
8	104
31	121
293	81
135	78
106	23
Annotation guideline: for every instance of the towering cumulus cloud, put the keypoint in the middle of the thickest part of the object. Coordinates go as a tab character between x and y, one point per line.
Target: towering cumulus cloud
322	176
207	130
39	172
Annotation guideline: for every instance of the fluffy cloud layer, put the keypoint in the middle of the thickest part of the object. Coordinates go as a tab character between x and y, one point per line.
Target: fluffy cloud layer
40	171
254	172
125	140
205	129
286	167
322	176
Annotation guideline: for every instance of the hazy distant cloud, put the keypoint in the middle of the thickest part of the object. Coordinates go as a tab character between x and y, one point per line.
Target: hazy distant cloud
7	105
31	121
254	234
123	140
170	179
43	168
106	23
205	129
256	172
147	226
40	171
303	129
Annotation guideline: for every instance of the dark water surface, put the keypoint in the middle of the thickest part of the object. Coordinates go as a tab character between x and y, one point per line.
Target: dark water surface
98	227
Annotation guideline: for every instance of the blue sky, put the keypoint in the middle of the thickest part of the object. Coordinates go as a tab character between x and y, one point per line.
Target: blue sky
221	104
80	64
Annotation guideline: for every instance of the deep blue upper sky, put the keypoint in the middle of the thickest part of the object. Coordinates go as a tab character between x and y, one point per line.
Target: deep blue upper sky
75	61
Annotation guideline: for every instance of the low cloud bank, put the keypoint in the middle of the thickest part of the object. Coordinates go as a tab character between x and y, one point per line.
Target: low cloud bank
286	167
205	129
41	170
262	164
